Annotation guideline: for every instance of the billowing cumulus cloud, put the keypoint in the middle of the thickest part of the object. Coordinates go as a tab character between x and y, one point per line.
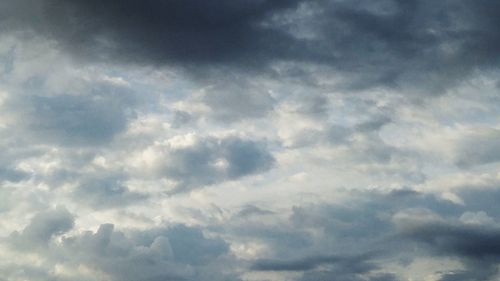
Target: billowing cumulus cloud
174	253
239	140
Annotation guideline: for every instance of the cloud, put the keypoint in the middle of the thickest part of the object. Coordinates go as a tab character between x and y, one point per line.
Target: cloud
12	175
229	99
194	162
478	147
186	32
238	100
251	210
189	245
105	191
310	276
476	244
249	140
470	241
371	234
176	252
89	112
340	267
74	119
43	227
311	263
390	44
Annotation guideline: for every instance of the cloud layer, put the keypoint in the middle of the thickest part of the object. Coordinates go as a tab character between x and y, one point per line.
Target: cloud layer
239	140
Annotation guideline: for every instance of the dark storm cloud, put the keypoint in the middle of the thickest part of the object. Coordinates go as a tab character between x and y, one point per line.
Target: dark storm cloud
470	241
474	242
478	246
477	274
183	32
398	42
386	43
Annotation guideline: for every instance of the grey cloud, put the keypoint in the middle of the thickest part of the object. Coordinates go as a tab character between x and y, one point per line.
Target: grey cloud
374	125
339	268
43	227
209	161
227	100
13	175
388	43
464	240
337	134
29	272
481	198
75	119
347	276
477	245
338	118
252	210
7	60
310	263
246	157
14	152
353	240
180	31
342	267
154	254
384	277
181	118
238	100
5	200
177	252
290	66
314	105
479	147
93	117
357	239
280	238
190	246
409	42
106	191
474	242
477	274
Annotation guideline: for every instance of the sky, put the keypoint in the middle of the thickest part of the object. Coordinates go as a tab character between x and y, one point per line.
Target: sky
249	140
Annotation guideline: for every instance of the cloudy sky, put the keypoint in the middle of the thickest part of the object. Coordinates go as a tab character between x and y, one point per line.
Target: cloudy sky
249	140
